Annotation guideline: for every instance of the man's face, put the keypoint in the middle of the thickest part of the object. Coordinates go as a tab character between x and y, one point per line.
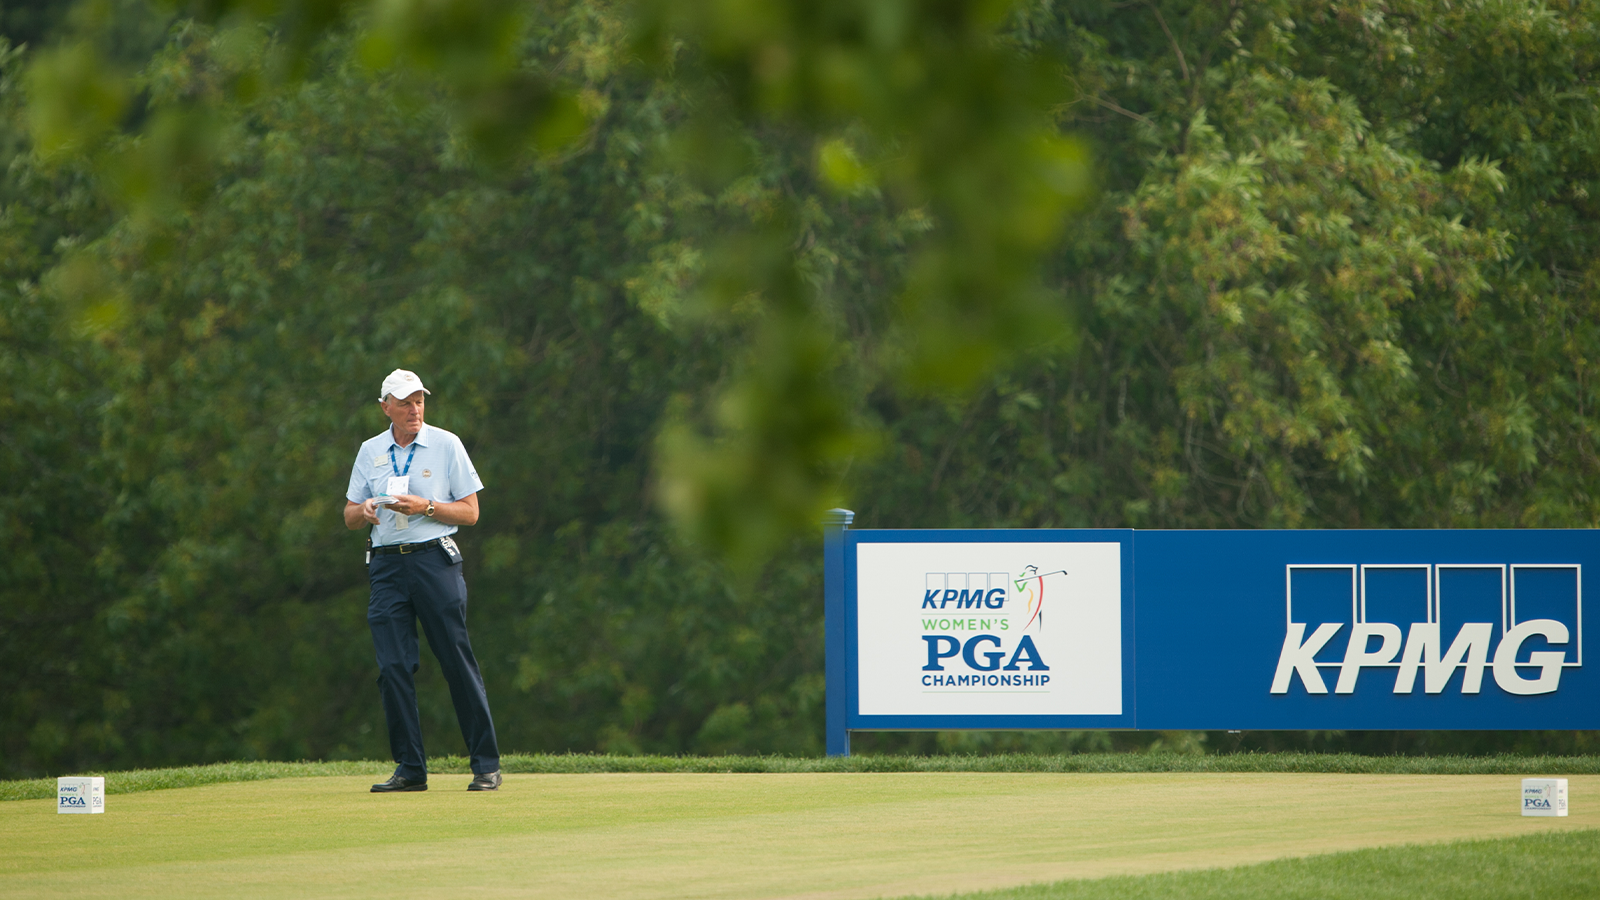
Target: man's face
406	414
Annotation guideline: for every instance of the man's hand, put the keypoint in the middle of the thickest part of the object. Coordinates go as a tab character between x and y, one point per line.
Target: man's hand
407	504
359	515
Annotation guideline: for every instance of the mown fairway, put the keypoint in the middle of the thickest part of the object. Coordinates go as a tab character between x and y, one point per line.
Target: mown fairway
733	836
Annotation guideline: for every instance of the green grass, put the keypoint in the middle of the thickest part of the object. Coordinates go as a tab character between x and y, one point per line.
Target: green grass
588	764
1545	866
654	836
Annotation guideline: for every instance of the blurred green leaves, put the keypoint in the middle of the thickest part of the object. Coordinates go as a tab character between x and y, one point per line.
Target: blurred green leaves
476	49
463	42
841	169
507	103
78	99
94	300
945	117
169	166
785	434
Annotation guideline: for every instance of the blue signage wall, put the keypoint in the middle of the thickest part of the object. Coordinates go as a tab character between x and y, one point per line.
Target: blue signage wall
1206	630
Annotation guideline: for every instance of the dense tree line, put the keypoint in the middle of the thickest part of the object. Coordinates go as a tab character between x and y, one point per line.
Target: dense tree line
1337	270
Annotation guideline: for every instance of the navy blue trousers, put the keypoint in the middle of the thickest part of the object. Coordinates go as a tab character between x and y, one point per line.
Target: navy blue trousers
424	587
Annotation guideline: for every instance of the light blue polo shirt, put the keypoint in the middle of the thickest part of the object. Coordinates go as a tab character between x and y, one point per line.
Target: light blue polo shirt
440	471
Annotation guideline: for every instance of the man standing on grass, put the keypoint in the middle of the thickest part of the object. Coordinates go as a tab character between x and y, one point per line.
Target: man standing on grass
414	484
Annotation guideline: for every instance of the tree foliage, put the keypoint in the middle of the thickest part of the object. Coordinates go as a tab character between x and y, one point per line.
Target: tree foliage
683	278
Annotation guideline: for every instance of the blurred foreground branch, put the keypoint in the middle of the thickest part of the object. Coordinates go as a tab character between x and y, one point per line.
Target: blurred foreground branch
925	106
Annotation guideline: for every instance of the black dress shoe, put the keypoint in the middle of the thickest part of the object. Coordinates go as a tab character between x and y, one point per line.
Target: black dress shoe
488	781
397	783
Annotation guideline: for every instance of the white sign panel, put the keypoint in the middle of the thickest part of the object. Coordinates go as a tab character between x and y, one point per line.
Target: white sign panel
989	629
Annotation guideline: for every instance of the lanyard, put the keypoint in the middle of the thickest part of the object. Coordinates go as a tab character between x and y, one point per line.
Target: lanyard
395	467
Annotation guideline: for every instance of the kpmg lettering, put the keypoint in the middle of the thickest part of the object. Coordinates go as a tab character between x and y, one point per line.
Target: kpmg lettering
1468	651
939	598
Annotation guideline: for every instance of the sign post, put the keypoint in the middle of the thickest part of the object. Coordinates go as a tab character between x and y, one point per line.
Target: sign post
837	673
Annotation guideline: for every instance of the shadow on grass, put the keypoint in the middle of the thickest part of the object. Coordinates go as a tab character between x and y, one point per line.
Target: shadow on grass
1554	866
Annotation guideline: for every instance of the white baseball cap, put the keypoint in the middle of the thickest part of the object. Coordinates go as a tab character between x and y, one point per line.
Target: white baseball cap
402	383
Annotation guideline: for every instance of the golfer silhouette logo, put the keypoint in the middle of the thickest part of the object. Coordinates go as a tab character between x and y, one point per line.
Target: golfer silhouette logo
1030	586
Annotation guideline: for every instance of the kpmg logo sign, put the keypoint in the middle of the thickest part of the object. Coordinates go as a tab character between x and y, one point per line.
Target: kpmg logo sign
985	595
71	797
1536	798
1209	629
989	628
1361	623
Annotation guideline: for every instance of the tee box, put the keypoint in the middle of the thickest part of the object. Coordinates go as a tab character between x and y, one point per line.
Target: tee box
81	795
1544	796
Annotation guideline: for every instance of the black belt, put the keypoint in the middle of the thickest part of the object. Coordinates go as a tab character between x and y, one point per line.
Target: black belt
387	549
